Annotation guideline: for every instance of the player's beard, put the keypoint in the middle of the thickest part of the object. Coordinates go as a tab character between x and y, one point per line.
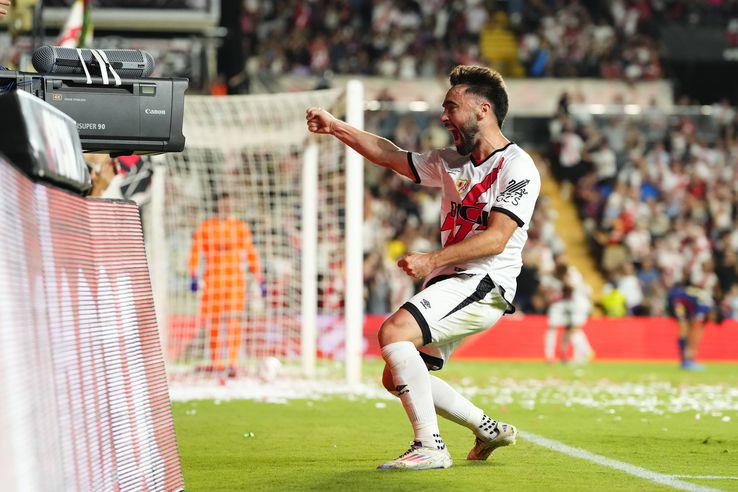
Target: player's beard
468	136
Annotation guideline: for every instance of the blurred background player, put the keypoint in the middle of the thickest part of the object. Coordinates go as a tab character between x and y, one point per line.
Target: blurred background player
692	304
226	243
569	308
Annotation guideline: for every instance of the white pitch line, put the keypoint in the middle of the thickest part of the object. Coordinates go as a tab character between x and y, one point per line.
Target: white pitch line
706	477
651	476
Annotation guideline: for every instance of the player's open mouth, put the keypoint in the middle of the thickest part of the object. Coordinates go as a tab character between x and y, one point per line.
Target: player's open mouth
454	133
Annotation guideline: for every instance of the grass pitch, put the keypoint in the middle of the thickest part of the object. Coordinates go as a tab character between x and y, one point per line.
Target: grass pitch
652	416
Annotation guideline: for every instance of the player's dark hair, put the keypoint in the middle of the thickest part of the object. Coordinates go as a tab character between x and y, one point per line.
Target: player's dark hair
483	82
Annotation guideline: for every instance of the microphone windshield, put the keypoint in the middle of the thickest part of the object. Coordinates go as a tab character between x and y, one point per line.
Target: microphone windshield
58	60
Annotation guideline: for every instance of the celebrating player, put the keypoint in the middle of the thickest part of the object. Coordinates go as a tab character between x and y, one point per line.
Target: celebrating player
489	187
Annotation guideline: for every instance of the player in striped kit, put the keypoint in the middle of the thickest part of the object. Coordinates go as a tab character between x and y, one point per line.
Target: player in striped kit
489	187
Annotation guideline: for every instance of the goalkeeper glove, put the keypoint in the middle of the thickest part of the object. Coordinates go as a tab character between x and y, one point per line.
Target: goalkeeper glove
193	284
263	289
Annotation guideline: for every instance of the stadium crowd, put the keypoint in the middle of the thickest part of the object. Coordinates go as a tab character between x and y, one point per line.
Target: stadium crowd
520	38
658	196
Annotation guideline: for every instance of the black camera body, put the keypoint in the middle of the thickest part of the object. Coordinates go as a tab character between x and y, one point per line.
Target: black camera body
137	116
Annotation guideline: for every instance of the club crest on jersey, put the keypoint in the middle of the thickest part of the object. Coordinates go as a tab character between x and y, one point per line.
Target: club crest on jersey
462	184
514	192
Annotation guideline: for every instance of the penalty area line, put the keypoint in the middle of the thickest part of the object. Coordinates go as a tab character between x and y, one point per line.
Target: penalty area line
637	471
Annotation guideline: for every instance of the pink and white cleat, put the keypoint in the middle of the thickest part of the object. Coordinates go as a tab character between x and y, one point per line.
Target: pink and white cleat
419	457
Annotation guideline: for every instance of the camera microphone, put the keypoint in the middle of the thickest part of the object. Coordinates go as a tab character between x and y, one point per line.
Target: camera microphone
68	61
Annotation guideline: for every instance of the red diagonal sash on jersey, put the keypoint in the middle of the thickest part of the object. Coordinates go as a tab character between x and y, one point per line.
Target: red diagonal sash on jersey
465	226
479	188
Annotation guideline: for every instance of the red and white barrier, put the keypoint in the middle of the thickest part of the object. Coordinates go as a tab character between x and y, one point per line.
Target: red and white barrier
84	403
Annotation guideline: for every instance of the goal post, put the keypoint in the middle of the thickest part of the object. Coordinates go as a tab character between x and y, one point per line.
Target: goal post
255	196
354	244
309	313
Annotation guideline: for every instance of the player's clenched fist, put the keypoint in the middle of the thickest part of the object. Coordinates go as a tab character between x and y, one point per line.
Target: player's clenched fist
417	265
318	120
2	10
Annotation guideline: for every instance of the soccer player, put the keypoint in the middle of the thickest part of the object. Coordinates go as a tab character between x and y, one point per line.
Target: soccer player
225	241
569	307
690	306
489	187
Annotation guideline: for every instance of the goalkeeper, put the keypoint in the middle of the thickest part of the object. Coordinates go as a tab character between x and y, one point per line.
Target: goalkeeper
226	243
489	187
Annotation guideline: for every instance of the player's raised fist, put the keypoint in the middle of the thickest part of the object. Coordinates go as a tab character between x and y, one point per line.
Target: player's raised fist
319	120
2	10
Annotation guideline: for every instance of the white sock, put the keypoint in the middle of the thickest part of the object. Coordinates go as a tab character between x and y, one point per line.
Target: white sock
549	344
412	385
582	348
451	405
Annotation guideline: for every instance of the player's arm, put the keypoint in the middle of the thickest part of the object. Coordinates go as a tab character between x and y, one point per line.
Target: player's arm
253	259
195	250
376	149
194	259
252	255
487	243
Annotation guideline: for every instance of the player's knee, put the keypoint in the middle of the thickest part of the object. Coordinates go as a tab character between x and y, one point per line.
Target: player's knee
387	381
391	332
386	333
400	327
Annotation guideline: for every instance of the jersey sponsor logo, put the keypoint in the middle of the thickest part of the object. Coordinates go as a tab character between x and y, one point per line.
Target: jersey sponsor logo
514	192
465	216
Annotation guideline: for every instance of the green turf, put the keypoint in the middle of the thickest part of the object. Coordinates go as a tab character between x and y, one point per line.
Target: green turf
642	414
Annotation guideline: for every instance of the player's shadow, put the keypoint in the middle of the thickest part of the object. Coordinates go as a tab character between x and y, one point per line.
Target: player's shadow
371	478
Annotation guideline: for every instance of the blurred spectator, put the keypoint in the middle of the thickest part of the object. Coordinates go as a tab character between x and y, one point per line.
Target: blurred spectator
409	38
730	303
664	210
605	163
629	285
612	302
103	173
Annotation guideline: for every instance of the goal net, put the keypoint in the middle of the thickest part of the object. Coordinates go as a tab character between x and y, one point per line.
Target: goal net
249	266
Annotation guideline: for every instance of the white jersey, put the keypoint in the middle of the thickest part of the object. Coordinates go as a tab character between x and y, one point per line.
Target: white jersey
507	181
